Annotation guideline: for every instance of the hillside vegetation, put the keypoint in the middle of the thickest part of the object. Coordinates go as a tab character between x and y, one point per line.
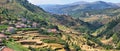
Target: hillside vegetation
27	27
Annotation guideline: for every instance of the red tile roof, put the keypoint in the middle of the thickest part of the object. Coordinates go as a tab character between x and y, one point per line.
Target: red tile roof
7	49
2	36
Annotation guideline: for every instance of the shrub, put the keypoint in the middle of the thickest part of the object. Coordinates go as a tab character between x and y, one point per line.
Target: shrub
77	48
2	27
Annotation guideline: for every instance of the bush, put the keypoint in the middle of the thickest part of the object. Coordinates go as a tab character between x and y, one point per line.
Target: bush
7	33
66	46
115	38
77	48
107	47
3	27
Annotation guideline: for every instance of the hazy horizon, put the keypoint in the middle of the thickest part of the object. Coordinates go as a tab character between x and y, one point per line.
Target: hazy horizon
39	2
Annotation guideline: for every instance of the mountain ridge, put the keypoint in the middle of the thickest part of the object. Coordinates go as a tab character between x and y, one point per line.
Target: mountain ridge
60	32
76	9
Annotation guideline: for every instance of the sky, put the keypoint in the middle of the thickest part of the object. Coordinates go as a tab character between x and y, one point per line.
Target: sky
38	2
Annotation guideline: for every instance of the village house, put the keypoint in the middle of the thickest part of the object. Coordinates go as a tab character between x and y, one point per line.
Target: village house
23	25
20	25
34	25
11	29
6	49
24	20
52	30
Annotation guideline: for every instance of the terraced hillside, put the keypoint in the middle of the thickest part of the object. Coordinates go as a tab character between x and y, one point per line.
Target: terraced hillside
19	20
26	27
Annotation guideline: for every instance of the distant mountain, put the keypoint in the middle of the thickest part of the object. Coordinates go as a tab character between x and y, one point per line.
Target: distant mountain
78	9
118	4
100	5
79	2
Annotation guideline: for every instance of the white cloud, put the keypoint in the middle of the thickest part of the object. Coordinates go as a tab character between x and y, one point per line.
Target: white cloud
45	1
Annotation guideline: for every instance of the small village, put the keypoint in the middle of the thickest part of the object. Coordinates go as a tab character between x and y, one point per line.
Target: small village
59	25
28	35
28	38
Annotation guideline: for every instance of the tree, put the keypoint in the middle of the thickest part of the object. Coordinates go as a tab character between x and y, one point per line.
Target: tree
118	45
77	48
115	38
66	47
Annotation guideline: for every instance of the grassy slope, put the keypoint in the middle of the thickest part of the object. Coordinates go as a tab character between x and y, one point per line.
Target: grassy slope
14	10
22	8
107	28
17	9
16	46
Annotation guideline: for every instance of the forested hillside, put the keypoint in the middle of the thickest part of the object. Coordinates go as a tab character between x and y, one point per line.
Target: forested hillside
27	27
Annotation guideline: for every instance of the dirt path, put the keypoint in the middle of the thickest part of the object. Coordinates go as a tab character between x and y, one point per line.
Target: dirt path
108	41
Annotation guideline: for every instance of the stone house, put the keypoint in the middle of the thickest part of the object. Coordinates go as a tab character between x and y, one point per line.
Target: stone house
11	30
6	49
52	30
34	25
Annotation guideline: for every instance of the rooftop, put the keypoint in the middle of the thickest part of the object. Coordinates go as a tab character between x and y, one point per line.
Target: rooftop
6	49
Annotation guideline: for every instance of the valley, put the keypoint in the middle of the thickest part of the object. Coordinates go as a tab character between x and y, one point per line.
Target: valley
79	26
